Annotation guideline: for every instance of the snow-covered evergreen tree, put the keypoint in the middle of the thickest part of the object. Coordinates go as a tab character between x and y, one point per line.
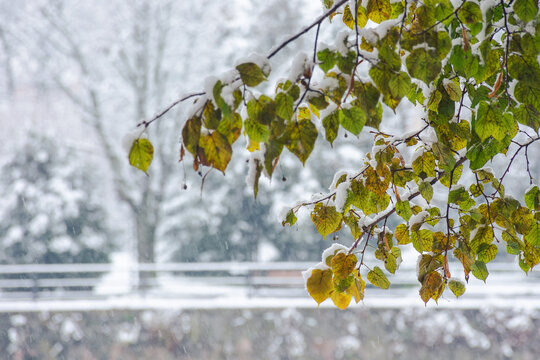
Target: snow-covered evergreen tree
50	212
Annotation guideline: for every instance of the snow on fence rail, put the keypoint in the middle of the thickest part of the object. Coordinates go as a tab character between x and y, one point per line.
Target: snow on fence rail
225	283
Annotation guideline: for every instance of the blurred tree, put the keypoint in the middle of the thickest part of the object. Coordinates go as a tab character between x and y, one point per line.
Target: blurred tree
50	212
116	73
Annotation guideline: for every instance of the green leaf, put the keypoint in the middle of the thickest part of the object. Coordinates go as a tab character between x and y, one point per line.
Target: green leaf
526	9
528	115
284	106
403	209
524	69
290	218
400	85
470	13
352	119
271	156
424	165
262	110
445	156
327	59
217	150
523	265
302	135
221	103
486	252
480	153
532	198
211	116
319	285
483	235
453	90
251	74
392	259
464	62
331	126
377	278
424	65
479	270
141	154
352	222
527	94
231	127
533	237
422	240
425	16
328	3
379	10
256	131
457	287
426	190
490	121
326	219
346	63
191	132
434	100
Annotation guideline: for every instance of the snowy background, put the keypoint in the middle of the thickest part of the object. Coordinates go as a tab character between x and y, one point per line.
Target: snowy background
75	77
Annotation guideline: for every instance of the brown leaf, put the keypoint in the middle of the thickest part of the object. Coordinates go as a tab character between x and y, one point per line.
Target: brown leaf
496	86
466	45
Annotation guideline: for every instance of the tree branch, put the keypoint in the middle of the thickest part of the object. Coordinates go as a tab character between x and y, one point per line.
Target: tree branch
280	47
306	29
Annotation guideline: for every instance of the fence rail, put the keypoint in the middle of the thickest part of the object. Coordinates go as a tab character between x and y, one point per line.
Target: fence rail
211	280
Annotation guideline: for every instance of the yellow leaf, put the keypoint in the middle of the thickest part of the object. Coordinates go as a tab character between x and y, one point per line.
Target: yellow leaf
457	287
431	286
319	285
377	278
253	146
358	288
141	154
217	150
341	299
326	219
361	16
343	265
348	18
453	90
379	10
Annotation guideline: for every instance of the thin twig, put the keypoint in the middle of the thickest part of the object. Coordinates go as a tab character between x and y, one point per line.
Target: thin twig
317	23
306	29
146	123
